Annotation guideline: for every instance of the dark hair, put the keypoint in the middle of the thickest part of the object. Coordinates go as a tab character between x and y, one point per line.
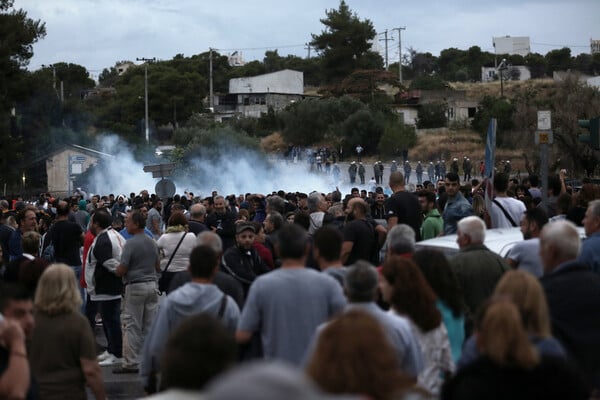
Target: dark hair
178	218
537	215
276	219
199	349
21	214
534	180
328	241
453	177
12	292
292	241
361	207
437	271
554	184
501	182
428	194
138	219
203	261
102	217
411	294
564	202
302	220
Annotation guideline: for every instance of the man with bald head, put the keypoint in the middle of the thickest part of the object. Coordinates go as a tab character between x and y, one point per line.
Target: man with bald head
573	294
359	235
196	223
403	207
477	268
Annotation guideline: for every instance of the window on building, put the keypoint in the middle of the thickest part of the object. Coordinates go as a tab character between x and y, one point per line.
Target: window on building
471	112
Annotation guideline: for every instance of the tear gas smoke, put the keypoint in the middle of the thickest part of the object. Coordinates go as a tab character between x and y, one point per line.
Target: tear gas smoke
235	171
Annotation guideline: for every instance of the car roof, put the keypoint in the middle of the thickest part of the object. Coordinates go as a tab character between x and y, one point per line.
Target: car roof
498	240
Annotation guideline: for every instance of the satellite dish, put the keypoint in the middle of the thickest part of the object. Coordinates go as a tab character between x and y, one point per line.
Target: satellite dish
165	188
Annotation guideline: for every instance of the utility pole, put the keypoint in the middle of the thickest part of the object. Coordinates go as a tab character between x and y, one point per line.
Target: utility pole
210	81
386	40
59	96
400	29
307	47
145	60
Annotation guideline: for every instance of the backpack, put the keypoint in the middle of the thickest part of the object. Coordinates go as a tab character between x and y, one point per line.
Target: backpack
48	253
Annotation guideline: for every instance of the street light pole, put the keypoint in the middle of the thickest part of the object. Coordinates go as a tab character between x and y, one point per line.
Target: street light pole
400	29
210	80
146	94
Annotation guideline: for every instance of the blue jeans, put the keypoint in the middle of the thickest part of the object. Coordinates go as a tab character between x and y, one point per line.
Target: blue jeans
82	291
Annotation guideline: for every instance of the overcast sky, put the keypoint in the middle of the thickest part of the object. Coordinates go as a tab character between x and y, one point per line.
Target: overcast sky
97	33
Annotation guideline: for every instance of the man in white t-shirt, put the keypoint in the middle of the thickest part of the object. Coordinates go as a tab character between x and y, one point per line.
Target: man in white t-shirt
525	255
505	211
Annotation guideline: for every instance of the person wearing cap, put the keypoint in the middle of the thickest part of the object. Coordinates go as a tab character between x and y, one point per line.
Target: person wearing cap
242	261
393	166
407	171
361	173
287	305
419	172
352	169
431	171
454	165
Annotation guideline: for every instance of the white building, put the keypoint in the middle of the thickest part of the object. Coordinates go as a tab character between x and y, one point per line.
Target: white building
594	46
488	74
252	96
512	45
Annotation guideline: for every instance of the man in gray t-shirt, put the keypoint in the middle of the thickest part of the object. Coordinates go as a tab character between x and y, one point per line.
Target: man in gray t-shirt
139	267
287	305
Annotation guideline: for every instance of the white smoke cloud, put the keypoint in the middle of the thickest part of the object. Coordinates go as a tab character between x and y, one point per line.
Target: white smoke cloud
236	171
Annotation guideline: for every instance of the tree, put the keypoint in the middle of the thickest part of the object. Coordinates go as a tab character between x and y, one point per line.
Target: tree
559	60
18	33
537	65
429	82
432	115
344	44
494	107
396	135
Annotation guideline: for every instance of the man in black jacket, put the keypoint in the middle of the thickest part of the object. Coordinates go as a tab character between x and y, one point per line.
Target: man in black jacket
242	261
573	293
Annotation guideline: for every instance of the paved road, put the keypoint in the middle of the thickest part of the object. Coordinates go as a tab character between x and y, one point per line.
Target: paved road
125	386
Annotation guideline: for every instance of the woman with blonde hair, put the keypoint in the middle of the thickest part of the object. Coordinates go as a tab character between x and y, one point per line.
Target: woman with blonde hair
510	367
525	291
353	355
63	347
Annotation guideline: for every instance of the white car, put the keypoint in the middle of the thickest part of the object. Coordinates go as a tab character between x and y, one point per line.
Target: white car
499	240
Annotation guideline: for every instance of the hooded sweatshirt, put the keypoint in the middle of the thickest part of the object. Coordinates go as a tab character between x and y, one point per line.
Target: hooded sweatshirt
190	299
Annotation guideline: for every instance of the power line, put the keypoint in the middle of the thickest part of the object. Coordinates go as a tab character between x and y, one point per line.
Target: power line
560	45
264	48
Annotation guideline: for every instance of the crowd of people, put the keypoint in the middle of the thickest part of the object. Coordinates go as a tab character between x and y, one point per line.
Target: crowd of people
329	284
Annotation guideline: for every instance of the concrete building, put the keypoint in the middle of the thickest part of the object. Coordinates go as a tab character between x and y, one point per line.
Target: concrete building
489	74
459	112
252	96
56	172
594	46
512	45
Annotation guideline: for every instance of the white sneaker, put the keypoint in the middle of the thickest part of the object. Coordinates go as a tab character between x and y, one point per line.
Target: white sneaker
110	360
103	356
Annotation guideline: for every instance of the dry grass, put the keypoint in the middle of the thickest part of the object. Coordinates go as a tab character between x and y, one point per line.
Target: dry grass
457	144
272	143
477	90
